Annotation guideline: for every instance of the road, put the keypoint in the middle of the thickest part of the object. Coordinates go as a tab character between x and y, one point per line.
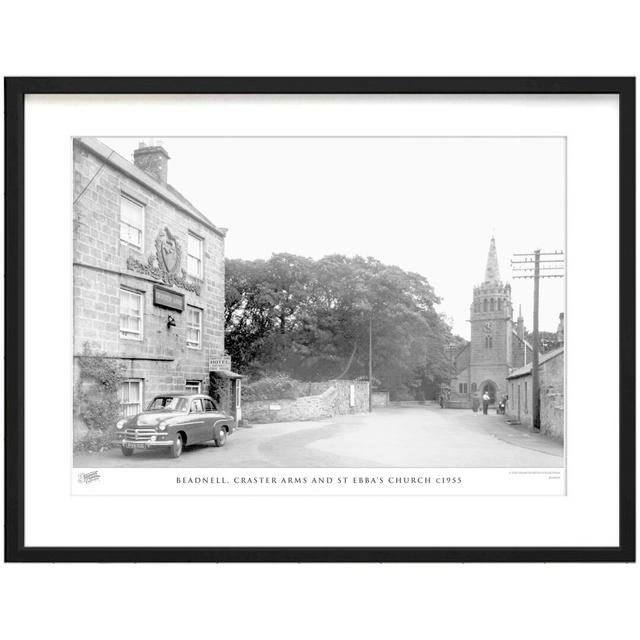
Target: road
422	436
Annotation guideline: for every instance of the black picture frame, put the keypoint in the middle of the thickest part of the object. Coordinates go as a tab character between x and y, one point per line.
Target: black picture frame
15	91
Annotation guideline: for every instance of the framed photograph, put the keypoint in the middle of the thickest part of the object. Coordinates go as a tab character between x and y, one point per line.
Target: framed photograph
320	319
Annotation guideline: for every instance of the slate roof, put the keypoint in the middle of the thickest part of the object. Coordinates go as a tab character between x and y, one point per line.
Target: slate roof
526	370
166	191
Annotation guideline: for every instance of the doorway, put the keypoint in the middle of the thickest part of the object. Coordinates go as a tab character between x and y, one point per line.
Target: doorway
492	389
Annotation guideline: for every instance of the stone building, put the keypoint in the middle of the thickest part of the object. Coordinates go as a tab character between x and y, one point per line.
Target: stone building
148	272
551	380
497	342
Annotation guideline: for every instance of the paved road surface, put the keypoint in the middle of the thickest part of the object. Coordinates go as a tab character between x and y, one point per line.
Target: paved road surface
422	436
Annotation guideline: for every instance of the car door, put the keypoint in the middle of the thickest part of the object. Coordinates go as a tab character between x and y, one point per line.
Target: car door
211	418
196	425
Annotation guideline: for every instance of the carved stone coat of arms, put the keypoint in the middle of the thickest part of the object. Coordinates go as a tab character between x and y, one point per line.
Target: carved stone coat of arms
168	251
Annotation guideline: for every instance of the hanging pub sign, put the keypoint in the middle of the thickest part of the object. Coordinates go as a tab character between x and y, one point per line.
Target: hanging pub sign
167	298
220	363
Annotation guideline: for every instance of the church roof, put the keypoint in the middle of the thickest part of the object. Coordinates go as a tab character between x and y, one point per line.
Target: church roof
515	333
492	272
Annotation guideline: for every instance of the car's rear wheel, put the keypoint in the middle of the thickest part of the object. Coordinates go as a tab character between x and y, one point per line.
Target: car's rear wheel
222	437
126	451
176	448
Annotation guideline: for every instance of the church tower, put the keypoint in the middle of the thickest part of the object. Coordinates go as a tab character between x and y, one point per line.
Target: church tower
492	331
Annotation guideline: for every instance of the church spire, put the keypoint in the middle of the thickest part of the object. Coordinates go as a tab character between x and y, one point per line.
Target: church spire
492	273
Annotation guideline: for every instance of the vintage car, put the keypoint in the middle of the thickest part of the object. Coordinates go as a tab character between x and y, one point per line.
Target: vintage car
172	421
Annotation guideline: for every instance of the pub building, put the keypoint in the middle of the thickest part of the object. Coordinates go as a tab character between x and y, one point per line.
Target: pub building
148	280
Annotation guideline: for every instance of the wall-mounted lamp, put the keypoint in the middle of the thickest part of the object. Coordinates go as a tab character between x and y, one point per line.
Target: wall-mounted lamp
171	322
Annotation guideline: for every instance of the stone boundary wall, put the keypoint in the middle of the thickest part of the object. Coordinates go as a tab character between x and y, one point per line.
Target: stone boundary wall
552	398
459	404
379	399
408	403
335	400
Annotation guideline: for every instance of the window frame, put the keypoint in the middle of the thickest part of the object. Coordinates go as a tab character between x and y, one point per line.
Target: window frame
201	314
140	403
189	387
140	294
140	247
200	239
194	400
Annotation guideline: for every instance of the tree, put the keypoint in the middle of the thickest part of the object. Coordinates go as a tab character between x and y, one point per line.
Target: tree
310	320
547	340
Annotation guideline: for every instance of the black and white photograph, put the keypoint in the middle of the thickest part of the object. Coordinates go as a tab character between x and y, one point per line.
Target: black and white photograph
319	302
363	320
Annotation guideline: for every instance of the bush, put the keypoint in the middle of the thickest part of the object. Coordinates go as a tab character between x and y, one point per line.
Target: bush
95	442
274	387
96	400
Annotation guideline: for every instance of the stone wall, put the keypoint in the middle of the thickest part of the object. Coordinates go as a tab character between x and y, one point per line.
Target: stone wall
379	399
552	398
335	400
360	396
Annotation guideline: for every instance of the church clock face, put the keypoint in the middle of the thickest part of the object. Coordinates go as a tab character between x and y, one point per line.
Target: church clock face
488	327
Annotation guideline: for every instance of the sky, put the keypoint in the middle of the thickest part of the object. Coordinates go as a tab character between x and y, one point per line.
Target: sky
428	205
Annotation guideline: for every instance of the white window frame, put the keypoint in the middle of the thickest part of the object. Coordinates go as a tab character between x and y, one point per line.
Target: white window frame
191	345
189	387
129	335
199	258
141	230
140	403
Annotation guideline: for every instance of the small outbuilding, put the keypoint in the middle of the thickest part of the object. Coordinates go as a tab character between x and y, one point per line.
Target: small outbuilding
520	395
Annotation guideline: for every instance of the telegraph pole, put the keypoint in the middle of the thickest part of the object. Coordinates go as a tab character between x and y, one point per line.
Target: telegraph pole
554	263
535	361
370	357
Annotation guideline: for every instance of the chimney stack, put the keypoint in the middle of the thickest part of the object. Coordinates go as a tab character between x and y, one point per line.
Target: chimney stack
152	159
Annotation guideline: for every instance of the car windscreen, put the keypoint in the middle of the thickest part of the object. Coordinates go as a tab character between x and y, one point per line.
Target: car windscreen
175	403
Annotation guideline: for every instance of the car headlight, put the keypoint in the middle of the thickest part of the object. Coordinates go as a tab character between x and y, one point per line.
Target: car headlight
162	426
120	423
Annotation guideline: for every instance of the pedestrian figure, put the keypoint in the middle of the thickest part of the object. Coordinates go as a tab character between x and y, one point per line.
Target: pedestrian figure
475	403
485	402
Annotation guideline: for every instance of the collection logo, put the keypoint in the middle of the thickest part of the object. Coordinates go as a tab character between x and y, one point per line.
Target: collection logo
88	477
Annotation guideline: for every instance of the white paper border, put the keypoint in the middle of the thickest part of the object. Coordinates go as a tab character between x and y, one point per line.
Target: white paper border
588	515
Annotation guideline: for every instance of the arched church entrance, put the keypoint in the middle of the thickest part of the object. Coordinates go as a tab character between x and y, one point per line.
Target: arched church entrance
491	388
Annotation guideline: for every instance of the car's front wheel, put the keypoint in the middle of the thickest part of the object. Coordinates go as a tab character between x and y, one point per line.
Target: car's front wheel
176	448
222	437
126	451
